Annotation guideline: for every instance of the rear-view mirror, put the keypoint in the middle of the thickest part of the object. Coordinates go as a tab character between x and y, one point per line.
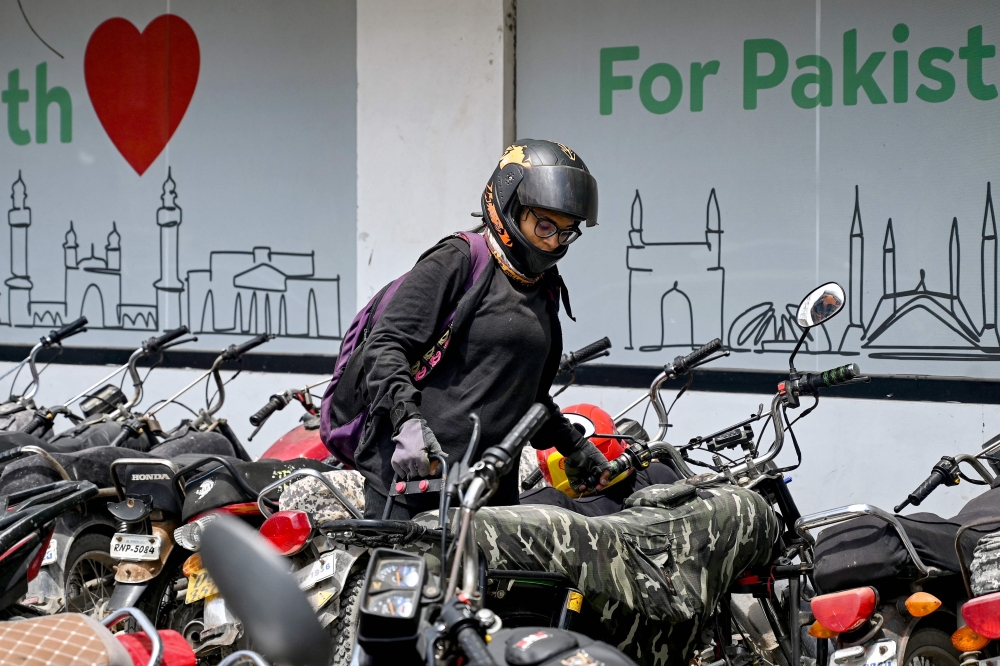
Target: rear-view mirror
821	304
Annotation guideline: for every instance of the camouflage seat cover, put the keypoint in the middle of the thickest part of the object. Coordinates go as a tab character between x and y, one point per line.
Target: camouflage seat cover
653	572
314	498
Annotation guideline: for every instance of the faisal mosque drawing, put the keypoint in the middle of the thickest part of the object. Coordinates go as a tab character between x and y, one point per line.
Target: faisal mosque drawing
682	283
252	291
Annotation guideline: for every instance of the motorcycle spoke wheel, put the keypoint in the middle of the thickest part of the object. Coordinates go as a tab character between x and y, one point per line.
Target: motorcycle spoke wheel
90	575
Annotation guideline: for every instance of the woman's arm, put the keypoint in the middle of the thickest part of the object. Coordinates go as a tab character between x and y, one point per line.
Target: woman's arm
409	324
557	431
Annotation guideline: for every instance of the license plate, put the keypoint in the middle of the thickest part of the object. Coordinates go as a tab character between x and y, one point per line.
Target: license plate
882	653
200	585
135	547
318	571
51	553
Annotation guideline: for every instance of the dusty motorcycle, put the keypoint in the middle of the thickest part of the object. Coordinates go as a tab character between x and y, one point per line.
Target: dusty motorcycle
76	569
18	410
894	587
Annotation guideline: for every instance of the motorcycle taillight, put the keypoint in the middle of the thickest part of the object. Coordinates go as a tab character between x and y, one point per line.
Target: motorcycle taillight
847	610
288	531
36	563
982	614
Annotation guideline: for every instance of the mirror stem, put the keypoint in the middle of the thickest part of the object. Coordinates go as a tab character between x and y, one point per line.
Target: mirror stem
798	345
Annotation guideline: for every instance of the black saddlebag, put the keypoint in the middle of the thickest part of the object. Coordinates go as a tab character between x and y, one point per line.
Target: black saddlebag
864	551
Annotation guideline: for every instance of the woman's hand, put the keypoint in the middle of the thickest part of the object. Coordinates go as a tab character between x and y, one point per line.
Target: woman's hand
415	443
587	460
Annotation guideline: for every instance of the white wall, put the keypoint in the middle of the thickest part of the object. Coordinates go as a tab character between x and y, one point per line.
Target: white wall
435	111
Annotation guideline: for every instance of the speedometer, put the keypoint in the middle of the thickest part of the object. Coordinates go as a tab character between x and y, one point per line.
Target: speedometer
396	573
391	605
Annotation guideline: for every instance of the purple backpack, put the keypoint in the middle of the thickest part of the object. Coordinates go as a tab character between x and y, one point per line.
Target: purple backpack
346	405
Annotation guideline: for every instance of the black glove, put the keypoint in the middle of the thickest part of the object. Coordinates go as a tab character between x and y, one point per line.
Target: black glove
586	460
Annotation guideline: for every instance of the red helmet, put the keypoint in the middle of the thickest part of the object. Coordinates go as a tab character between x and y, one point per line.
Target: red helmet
589	420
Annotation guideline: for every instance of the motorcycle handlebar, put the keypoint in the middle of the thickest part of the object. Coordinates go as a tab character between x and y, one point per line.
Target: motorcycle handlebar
72	328
503	454
153	345
945	471
682	364
570	361
834	376
234	352
474	648
276	403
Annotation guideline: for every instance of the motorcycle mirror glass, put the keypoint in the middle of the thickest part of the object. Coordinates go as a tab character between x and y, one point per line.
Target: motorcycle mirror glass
821	304
259	590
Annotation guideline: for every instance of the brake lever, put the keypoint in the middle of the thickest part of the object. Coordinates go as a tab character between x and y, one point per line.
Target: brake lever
864	379
713	357
182	341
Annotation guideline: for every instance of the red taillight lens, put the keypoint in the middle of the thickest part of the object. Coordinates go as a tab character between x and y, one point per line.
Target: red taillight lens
288	531
982	614
36	563
844	611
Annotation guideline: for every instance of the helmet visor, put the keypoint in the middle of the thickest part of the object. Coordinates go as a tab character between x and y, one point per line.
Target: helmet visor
565	189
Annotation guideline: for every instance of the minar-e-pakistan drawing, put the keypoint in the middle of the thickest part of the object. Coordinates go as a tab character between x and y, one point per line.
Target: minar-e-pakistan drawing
241	292
676	299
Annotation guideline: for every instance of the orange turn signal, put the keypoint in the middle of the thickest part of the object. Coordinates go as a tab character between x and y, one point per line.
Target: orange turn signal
192	565
921	604
967	640
817	630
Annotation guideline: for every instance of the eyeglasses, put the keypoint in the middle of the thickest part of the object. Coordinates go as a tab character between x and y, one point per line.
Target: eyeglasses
546	227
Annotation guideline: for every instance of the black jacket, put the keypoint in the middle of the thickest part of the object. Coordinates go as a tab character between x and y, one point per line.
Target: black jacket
503	359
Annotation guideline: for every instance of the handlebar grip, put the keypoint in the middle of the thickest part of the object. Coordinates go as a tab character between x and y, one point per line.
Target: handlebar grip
617	466
72	328
835	376
594	350
153	344
474	648
509	449
276	403
233	352
926	488
683	363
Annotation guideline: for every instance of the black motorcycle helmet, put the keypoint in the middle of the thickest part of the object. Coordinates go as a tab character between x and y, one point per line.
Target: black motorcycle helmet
538	173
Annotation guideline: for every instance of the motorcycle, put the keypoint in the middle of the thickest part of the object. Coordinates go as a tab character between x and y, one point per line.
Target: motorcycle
19	409
405	616
76	569
909	575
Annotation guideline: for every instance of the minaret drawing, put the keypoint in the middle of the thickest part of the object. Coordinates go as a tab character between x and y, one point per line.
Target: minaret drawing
988	259
170	286
856	279
954	263
113	250
713	236
70	247
19	283
889	263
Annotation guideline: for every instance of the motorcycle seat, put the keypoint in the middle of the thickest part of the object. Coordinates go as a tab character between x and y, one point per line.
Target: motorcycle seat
72	639
204	492
866	550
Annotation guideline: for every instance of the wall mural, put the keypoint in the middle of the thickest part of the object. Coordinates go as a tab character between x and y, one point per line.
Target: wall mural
176	163
746	154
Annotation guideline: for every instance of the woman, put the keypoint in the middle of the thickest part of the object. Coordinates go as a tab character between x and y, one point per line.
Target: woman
504	355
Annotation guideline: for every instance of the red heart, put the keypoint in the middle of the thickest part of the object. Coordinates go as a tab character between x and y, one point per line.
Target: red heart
141	83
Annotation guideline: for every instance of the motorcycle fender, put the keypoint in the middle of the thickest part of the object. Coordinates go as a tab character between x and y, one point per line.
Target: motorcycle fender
126	594
143	572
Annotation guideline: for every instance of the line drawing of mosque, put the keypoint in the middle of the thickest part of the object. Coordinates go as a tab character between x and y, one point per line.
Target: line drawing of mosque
241	292
915	323
682	322
919	323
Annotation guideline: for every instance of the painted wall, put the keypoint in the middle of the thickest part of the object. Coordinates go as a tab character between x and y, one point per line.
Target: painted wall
746	153
435	110
243	223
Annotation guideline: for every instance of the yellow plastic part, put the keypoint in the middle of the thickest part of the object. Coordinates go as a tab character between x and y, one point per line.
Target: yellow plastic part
574	601
921	604
192	564
966	640
817	630
560	481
